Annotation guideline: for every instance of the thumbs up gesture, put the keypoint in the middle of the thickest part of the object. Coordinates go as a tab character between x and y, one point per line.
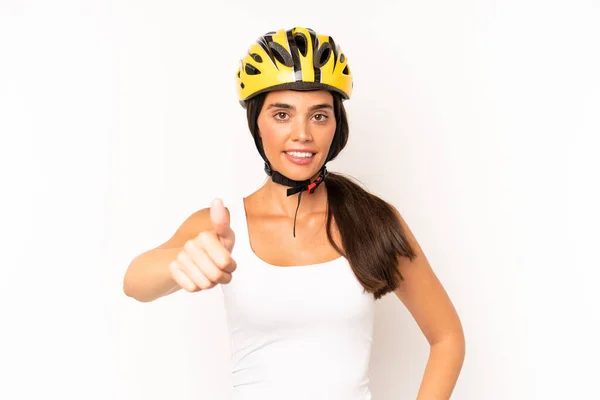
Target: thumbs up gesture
205	260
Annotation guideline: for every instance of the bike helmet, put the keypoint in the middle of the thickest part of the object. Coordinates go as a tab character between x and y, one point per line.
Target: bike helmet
298	58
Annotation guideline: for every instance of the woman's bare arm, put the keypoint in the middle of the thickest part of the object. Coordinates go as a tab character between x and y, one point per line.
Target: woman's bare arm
426	299
148	277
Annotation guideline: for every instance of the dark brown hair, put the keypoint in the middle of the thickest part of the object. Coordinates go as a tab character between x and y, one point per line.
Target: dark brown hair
371	233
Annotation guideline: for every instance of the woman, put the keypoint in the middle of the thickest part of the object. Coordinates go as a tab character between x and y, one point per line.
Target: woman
302	260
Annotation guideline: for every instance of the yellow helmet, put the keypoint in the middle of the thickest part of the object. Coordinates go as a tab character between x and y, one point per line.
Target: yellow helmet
297	58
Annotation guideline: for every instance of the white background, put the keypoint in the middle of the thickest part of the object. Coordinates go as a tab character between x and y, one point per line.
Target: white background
478	120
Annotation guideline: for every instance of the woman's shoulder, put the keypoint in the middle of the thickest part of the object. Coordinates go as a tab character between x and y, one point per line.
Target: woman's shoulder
196	222
199	220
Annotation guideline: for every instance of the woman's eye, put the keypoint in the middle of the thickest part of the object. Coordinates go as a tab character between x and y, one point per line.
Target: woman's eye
321	117
280	116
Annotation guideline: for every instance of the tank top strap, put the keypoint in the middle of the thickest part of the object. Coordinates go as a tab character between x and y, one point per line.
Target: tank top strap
237	213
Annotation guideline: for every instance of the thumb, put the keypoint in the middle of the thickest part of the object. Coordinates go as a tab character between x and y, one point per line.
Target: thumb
221	223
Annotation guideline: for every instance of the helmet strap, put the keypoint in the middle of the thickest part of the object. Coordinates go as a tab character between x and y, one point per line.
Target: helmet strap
297	186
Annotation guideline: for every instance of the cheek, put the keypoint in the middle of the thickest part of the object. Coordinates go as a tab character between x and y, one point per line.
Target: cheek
272	134
327	137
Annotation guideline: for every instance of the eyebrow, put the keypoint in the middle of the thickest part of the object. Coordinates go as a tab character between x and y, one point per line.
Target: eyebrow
291	107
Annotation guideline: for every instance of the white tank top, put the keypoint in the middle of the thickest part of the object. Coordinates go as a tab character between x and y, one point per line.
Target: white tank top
299	332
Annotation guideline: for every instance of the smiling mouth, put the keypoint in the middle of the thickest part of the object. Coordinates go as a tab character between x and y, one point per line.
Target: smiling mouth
300	154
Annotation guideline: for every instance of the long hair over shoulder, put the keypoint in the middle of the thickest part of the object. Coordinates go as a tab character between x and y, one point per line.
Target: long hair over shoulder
373	240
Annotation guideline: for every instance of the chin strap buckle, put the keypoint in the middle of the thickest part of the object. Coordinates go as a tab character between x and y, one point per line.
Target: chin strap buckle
313	186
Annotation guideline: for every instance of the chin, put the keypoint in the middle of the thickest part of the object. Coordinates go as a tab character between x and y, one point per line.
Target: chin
297	175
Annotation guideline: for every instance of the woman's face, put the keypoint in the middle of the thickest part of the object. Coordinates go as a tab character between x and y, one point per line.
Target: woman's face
297	128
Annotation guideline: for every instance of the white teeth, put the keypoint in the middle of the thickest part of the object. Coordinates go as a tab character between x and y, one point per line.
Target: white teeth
299	154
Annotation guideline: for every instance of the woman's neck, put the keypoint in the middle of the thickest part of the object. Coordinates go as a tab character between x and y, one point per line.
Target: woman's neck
274	198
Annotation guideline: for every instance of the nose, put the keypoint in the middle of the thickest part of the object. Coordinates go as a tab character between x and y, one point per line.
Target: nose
301	131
